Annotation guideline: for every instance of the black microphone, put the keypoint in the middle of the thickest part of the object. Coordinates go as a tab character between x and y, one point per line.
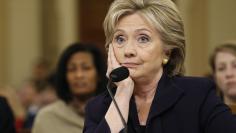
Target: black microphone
117	75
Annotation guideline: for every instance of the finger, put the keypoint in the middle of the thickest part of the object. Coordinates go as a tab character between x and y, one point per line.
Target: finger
109	65
114	62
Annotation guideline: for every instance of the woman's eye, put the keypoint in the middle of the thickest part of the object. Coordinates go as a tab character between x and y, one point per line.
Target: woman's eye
120	39
222	68
143	39
86	67
71	69
234	64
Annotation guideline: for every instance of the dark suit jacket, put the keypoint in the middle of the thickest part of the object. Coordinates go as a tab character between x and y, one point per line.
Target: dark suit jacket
180	105
6	117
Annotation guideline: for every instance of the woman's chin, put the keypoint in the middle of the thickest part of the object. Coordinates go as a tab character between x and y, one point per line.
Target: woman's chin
84	95
134	75
85	92
131	73
232	93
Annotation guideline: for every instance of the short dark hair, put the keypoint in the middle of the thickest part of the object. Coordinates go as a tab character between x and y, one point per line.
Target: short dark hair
62	87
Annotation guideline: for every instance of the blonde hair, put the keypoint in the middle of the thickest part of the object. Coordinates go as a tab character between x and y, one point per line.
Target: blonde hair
164	16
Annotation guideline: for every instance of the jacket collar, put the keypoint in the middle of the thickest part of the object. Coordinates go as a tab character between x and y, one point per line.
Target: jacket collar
167	94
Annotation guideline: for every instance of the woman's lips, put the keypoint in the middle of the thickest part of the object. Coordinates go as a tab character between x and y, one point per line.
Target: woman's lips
79	85
130	65
231	84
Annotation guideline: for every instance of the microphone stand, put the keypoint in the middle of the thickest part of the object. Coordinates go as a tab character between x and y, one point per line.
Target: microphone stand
110	83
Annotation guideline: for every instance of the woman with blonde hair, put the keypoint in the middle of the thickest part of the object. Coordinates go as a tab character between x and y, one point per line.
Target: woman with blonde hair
223	64
147	38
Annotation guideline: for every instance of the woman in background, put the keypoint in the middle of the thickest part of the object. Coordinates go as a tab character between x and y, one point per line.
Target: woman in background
80	76
223	64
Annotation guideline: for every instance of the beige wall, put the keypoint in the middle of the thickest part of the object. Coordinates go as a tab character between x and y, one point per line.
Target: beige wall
222	21
60	27
24	24
67	22
2	42
207	22
22	39
194	14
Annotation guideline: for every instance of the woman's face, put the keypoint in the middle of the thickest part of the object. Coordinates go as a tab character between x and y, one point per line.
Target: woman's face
81	73
137	46
225	73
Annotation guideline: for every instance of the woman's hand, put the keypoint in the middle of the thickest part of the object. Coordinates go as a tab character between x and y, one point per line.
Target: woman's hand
123	94
125	86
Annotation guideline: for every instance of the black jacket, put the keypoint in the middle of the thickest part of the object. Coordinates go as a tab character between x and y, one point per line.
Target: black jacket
6	117
180	105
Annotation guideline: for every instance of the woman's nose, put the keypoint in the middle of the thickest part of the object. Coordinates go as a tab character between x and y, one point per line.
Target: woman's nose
79	73
130	49
229	72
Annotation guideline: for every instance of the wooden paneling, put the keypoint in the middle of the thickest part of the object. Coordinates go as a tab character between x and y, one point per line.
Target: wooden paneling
92	14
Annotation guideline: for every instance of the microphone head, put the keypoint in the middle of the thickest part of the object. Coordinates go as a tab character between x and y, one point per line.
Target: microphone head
119	74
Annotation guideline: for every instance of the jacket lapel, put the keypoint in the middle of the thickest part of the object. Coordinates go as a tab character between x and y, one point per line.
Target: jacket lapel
166	96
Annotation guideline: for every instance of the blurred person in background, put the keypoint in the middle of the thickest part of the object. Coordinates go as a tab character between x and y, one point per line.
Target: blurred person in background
80	76
33	99
48	94
29	97
223	65
27	94
34	93
40	72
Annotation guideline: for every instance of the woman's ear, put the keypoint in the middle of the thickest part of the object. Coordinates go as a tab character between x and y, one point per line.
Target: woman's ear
166	56
167	53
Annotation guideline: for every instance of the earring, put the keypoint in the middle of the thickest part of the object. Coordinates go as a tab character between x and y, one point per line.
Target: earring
165	61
